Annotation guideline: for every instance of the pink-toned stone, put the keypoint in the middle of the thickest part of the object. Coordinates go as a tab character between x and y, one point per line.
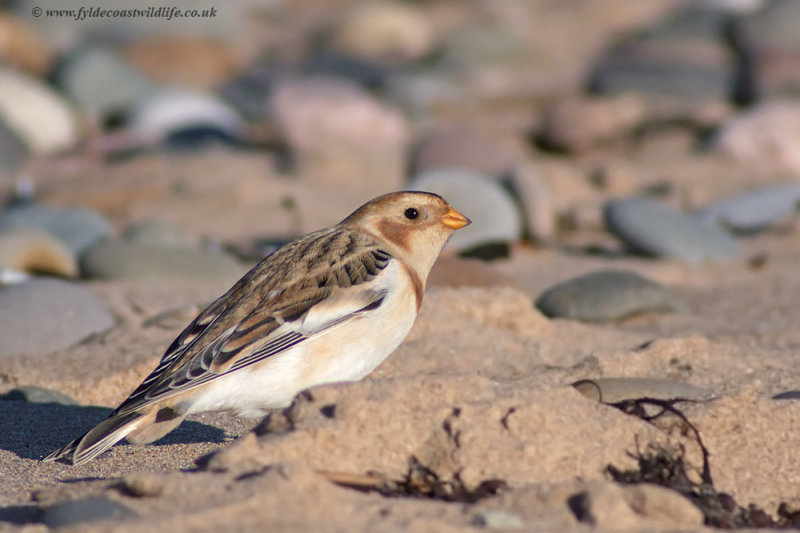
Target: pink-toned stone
459	147
576	124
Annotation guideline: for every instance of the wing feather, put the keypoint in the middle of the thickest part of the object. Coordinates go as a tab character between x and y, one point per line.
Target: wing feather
303	289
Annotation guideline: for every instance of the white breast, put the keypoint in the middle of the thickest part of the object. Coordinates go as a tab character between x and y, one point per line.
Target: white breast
347	352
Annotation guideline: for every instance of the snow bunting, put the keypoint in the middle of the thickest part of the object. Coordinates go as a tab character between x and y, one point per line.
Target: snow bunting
328	307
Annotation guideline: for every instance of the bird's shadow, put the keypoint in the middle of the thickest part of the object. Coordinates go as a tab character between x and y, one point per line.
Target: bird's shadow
33	430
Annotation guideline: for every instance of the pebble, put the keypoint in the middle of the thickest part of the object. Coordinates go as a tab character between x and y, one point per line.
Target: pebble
13	150
123	260
616	390
250	92
754	210
569	184
33	394
652	229
579	123
488	251
459	147
536	200
422	92
169	114
323	114
76	227
42	118
22	47
73	512
766	136
388	31
737	6
159	233
607	295
773	43
35	251
682	57
484	43
183	60
491	62
494	215
44	315
101	82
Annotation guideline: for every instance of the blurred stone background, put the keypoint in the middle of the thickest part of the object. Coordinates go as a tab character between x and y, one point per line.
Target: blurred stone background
252	122
632	169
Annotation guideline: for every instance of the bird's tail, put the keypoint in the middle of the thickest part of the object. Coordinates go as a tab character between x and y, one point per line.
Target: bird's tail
97	440
139	427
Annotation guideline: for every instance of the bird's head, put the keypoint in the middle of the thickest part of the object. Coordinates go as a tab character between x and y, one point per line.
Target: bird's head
416	225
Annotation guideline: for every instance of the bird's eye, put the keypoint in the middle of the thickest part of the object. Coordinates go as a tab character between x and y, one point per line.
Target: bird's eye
411	213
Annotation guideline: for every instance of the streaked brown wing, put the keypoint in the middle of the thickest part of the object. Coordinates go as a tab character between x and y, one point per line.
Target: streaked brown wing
258	317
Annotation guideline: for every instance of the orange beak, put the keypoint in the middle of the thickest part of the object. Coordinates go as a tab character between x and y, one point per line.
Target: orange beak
454	219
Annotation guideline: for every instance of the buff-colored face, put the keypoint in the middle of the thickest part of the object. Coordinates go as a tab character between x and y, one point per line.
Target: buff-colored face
417	223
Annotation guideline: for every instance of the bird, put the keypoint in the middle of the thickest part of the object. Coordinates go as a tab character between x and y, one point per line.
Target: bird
327	307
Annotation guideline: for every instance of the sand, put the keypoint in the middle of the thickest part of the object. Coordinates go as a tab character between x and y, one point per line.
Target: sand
477	398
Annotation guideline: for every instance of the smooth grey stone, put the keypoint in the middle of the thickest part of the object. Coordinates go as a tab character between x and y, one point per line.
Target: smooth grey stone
787	395
20	515
615	390
89	509
33	394
773	43
159	233
775	27
754	210
607	295
101	81
122	260
13	151
422	92
649	61
650	228
494	215
675	80
44	314
77	227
